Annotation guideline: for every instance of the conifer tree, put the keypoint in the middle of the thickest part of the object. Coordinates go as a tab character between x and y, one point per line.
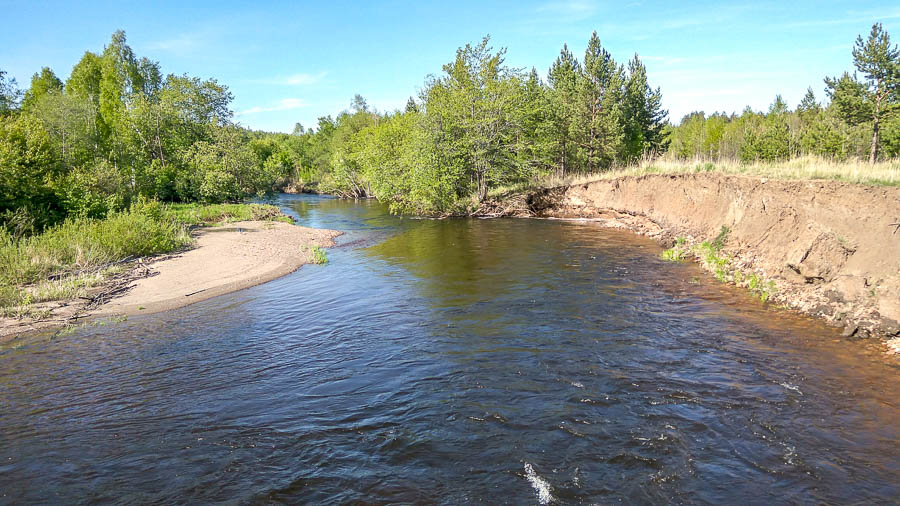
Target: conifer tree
644	116
601	123
563	77
880	64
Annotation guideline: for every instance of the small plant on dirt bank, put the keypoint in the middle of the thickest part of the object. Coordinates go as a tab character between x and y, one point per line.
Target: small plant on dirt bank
676	253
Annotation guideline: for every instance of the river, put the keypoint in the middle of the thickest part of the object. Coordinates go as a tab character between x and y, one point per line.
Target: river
498	361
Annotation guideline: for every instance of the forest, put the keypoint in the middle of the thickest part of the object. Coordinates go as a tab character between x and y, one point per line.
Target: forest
117	133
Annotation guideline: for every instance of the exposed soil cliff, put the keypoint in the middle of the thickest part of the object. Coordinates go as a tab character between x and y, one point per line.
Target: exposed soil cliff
832	249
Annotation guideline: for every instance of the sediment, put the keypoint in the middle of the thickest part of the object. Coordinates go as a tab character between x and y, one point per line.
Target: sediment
224	259
831	249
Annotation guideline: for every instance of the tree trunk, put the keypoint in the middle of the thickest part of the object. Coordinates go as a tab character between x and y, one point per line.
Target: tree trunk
873	154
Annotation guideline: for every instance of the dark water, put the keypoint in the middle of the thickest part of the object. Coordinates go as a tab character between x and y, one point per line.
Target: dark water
500	361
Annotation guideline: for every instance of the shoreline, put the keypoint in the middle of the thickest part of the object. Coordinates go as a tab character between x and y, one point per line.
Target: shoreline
224	259
827	247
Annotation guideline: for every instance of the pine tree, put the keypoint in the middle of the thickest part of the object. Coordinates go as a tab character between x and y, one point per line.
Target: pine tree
880	64
411	105
601	124
645	118
563	78
808	104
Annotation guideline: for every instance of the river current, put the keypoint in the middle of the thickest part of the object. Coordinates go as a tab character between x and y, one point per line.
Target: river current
454	361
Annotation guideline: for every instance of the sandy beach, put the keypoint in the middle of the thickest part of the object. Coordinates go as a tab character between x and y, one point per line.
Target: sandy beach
224	259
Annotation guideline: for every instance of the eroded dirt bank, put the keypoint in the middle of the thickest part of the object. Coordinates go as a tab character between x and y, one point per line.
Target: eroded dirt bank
831	249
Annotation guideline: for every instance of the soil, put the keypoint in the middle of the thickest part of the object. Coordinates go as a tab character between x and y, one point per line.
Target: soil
225	259
832	249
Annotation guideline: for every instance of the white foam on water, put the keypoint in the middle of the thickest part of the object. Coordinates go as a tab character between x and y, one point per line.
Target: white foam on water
540	485
792	387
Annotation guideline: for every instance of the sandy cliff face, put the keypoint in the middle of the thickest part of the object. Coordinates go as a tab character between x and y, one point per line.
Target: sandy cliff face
832	249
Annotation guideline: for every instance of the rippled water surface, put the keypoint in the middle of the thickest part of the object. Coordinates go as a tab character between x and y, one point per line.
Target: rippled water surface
498	361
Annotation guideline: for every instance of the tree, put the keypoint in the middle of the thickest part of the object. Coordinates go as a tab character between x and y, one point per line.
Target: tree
41	84
411	105
564	76
808	104
9	94
644	116
601	123
880	64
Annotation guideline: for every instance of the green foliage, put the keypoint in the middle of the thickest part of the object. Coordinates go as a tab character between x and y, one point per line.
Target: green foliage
84	243
9	94
118	132
199	215
676	253
42	83
719	242
317	255
481	125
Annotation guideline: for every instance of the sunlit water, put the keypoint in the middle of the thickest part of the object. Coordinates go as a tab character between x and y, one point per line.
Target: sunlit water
498	361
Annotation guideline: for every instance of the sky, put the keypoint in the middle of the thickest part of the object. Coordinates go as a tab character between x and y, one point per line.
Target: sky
289	62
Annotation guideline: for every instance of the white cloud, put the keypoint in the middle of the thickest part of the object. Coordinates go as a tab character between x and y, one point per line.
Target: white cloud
200	38
665	60
304	79
571	10
285	104
852	17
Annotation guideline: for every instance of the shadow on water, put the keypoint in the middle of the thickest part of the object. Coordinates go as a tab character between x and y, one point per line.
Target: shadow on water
451	361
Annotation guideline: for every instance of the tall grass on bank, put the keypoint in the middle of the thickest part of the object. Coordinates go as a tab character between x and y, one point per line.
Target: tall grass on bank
65	261
886	173
214	214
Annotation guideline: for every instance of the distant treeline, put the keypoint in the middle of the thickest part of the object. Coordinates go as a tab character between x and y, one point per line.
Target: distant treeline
117	131
858	120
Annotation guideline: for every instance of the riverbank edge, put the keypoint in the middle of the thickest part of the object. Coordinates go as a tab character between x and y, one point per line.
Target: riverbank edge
827	247
71	313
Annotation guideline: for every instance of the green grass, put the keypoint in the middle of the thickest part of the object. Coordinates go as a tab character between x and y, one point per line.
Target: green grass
67	260
710	255
317	255
676	253
217	214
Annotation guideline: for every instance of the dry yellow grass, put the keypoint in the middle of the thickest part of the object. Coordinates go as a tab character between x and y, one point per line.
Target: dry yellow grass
802	168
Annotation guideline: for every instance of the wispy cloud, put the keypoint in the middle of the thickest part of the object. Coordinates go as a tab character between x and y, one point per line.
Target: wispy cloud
852	17
568	9
185	42
285	104
301	79
664	60
304	79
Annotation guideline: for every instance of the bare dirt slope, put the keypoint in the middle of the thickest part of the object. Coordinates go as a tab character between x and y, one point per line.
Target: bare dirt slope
832	249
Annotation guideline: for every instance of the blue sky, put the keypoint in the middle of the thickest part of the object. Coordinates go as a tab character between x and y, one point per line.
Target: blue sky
295	61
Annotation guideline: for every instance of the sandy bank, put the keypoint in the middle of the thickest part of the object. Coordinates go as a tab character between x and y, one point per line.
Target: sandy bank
225	259
832	249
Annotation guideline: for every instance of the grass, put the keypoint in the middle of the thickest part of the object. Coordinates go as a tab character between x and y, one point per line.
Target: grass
711	256
886	173
317	255
67	260
218	214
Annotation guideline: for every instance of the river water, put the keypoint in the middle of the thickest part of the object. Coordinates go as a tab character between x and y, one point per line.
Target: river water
496	361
